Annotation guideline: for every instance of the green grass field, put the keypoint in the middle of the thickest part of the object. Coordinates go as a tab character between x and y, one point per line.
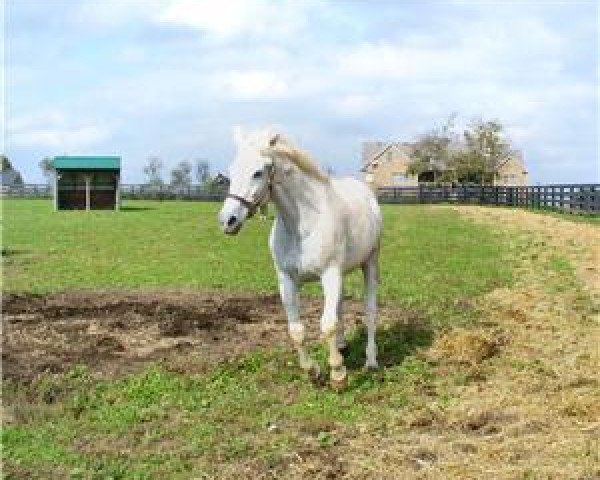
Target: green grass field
178	244
247	418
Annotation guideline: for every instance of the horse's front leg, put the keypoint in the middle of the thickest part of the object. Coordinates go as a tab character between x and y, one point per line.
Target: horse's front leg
288	290
332	289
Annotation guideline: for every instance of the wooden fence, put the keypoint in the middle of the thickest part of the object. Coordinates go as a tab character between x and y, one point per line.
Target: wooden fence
169	192
28	190
579	198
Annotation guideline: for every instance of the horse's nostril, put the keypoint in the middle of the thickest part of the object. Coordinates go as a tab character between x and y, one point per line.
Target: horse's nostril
231	221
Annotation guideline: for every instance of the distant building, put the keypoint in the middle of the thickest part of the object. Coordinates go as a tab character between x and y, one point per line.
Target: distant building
86	183
385	164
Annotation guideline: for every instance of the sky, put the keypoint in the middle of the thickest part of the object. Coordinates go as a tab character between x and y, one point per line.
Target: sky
141	78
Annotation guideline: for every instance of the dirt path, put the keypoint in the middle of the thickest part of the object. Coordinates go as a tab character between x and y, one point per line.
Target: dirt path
579	242
533	409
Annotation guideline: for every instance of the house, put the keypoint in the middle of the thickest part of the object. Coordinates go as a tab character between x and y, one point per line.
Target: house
512	172
86	183
385	164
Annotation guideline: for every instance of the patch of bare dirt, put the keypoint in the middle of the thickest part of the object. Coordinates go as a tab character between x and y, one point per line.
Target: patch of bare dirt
463	346
116	332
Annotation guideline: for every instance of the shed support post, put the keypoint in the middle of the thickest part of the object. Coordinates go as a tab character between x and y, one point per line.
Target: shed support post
87	192
55	191
118	191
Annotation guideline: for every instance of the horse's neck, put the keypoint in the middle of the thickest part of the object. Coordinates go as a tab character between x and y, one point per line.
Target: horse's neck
300	200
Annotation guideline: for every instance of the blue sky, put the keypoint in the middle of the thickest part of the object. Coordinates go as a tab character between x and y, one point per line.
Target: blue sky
171	78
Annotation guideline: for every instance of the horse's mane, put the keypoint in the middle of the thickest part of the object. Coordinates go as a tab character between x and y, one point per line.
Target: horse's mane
273	143
300	158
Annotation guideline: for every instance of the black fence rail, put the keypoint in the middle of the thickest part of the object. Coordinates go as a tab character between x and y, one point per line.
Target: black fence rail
580	198
28	190
572	198
169	192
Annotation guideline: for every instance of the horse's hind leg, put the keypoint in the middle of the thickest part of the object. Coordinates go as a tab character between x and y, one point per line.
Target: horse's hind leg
371	276
340	338
289	297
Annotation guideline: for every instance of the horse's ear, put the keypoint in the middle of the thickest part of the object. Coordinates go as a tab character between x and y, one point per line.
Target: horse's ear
274	139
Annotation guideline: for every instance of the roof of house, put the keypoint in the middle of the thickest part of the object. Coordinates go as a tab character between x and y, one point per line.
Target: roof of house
386	147
86	163
516	156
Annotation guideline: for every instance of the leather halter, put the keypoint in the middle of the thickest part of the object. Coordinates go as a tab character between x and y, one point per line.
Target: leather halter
253	205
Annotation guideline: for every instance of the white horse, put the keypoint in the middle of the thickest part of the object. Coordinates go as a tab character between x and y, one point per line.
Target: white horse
324	228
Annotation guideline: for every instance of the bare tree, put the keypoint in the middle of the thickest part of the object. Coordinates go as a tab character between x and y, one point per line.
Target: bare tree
47	168
181	175
5	164
153	171
202	168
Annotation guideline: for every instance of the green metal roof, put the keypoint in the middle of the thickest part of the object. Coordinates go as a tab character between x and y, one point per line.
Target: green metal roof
87	163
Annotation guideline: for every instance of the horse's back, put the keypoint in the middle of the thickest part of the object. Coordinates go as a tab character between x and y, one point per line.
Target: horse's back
362	218
357	197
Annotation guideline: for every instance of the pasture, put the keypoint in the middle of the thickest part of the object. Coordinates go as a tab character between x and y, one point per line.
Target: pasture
146	344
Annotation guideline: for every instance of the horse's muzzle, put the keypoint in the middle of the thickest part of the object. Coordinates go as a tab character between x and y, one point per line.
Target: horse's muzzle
233	229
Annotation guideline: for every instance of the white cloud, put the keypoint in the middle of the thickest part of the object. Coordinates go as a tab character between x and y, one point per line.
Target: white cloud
51	130
389	61
255	84
357	104
475	50
113	14
225	19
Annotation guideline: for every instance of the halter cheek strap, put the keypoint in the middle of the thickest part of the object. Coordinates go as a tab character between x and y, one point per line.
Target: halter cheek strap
253	205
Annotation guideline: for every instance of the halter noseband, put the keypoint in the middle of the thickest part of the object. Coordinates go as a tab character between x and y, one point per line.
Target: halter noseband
253	205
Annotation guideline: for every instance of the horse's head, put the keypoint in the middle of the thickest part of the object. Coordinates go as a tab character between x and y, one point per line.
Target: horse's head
251	175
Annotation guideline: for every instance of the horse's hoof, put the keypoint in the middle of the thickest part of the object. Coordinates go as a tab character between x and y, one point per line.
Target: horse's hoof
316	377
344	350
339	385
371	367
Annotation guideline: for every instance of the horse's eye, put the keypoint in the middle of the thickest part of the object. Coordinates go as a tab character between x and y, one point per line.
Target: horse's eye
257	174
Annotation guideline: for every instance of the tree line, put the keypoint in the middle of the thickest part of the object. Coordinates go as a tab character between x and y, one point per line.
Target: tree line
471	156
181	176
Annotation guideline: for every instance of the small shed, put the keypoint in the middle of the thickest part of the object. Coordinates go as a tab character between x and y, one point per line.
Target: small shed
86	183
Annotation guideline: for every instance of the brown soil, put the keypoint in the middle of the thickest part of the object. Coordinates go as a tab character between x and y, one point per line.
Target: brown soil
531	408
115	332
